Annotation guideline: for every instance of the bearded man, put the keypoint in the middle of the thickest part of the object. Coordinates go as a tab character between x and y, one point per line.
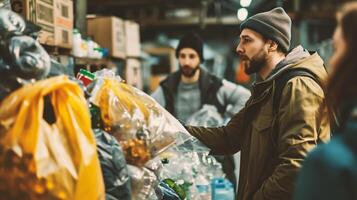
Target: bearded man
284	118
186	91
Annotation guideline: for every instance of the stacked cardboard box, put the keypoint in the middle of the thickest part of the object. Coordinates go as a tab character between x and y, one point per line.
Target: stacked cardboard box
40	12
122	38
63	11
108	32
133	51
55	17
132	39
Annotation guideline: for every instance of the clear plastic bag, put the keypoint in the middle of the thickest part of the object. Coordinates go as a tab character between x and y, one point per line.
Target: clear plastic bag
167	193
184	167
155	165
207	116
42	160
142	126
143	183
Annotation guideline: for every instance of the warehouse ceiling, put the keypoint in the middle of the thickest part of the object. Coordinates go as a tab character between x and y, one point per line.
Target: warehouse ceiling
204	12
173	12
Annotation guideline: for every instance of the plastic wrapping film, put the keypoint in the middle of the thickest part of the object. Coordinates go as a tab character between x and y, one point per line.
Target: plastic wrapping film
142	126
42	160
182	168
143	183
207	116
6	4
167	193
185	165
144	130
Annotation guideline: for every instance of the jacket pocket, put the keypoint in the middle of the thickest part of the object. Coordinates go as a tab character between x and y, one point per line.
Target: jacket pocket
261	141
265	130
263	123
262	150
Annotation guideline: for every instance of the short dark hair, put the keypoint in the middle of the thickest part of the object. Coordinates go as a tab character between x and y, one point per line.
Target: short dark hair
280	48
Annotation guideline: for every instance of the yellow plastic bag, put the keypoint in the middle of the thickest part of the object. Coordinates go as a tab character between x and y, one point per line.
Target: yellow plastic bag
48	161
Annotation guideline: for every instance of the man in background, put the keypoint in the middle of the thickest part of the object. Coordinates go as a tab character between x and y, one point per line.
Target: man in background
186	91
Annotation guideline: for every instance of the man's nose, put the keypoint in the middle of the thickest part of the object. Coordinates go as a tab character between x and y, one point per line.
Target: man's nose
239	49
186	61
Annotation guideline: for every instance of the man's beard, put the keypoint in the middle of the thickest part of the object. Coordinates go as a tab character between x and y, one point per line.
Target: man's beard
254	64
188	71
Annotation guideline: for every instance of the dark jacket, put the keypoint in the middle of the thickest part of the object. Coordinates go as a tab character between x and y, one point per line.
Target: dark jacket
226	96
208	84
273	147
330	171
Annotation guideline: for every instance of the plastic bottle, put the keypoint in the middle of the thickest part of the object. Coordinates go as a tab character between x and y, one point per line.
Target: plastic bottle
222	189
203	191
91	47
77	41
84	48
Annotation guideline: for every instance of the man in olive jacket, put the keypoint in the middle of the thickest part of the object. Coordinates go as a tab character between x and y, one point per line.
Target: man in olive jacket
272	146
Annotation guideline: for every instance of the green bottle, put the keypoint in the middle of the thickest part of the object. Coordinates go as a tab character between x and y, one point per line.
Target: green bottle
96	117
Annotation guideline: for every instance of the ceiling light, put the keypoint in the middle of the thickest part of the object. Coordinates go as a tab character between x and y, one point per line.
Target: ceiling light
242	14
245	3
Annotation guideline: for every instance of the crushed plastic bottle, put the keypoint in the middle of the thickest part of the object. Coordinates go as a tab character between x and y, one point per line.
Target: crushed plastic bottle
222	189
203	190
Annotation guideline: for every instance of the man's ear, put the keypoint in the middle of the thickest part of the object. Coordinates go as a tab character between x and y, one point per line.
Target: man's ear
273	46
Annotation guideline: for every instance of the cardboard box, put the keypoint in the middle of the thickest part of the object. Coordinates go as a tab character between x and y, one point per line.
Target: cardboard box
132	37
133	74
63	11
108	32
40	12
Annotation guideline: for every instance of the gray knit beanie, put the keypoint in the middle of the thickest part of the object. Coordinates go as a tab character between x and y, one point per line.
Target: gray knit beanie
274	24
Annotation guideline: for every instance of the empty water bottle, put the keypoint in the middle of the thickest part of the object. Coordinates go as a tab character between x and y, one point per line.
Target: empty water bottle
203	191
222	189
